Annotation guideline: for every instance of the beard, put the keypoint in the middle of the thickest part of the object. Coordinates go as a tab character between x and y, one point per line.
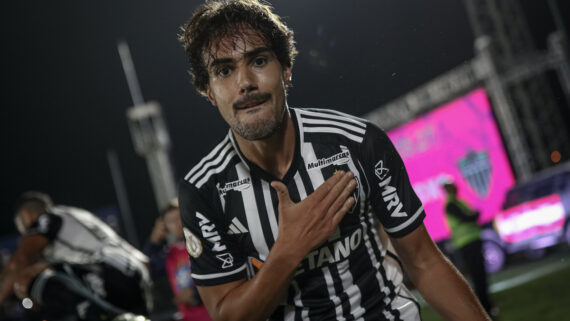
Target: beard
260	128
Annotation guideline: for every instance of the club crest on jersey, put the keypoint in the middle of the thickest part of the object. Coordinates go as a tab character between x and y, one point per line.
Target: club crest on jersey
389	193
193	244
237	185
210	233
336	159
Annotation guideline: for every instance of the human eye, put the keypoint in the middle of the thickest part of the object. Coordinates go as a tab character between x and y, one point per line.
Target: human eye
223	71
259	61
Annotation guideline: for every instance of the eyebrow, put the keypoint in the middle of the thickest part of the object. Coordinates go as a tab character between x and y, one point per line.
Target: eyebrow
247	55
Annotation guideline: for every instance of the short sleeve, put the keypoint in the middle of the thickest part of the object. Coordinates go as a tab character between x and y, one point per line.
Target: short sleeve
47	225
392	197
214	256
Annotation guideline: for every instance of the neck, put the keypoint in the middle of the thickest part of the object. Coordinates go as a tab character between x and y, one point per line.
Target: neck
275	153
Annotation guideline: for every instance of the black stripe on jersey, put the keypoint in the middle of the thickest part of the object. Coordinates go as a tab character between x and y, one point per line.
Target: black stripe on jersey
260	201
331	124
94	228
69	245
294	193
309	188
293	292
216	162
387	282
313	121
344	299
333	114
212	155
365	186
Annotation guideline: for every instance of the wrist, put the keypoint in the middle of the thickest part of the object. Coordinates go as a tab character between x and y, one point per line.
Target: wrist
287	253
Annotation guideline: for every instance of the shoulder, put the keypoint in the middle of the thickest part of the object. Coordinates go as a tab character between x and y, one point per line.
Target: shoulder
315	121
216	162
47	224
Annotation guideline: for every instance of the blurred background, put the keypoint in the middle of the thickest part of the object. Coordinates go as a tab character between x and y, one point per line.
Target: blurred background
100	113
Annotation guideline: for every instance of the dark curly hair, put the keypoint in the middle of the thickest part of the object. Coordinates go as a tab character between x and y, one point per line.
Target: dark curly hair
215	20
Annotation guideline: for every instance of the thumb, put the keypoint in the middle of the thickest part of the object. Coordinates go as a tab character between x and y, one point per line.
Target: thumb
282	193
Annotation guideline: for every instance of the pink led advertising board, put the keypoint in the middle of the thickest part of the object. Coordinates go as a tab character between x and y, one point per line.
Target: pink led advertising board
459	139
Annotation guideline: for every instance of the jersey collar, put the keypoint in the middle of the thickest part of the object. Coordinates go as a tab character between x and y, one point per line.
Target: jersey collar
258	171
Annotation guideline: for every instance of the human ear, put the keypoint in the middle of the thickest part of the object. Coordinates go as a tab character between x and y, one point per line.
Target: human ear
211	97
287	75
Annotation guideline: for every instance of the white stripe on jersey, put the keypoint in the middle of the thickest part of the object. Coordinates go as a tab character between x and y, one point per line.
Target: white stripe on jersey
269	207
236	147
333	130
252	214
309	156
217	275
406	223
300	126
338	116
332	294
356	173
299	303
212	163
207	158
375	263
216	169
289	312
351	289
300	186
334	123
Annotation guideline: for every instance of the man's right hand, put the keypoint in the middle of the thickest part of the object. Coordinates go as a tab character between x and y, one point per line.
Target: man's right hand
305	225
302	227
158	234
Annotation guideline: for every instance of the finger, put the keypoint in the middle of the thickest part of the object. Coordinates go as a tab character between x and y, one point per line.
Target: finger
342	212
340	200
282	193
336	190
324	189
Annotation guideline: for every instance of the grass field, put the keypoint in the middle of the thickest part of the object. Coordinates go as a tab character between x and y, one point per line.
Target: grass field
546	299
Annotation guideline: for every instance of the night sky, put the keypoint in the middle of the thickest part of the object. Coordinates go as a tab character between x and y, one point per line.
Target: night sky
65	94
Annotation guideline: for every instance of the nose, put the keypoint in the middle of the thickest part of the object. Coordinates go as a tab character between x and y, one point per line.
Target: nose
246	79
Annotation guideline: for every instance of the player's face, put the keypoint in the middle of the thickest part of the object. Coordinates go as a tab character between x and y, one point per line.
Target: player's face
248	85
173	224
24	219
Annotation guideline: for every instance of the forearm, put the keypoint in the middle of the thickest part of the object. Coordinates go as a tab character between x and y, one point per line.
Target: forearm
256	299
444	289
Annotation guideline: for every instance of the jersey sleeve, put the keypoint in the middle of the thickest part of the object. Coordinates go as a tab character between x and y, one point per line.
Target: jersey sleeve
214	256
47	225
392	197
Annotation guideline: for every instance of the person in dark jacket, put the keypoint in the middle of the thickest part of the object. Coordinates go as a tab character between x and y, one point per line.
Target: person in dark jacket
465	237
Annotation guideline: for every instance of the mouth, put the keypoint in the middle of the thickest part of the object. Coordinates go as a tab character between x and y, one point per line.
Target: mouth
251	101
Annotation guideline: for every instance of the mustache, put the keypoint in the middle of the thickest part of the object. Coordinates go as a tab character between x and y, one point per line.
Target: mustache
251	98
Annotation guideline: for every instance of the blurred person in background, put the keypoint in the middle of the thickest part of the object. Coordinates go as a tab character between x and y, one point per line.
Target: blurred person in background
465	237
168	258
178	268
70	263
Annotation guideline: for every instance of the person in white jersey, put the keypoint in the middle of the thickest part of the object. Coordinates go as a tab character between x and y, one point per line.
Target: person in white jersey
70	263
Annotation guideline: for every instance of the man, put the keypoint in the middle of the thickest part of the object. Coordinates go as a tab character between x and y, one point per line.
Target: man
279	217
465	236
71	263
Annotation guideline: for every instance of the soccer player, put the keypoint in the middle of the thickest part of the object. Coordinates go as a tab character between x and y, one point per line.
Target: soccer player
70	263
279	216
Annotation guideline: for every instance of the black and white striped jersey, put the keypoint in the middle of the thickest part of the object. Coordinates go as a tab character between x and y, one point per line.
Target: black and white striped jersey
229	212
78	237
